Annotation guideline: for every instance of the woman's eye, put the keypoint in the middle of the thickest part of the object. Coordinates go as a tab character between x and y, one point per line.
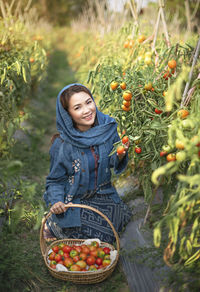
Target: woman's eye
89	101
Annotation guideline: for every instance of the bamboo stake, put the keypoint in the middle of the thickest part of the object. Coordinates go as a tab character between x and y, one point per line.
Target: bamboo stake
190	74
156	30
3	11
164	23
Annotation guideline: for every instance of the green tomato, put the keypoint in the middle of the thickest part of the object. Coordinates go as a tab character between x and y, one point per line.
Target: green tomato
181	155
187	124
166	148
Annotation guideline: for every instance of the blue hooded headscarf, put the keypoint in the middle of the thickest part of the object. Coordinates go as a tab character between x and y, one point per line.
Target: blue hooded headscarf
97	135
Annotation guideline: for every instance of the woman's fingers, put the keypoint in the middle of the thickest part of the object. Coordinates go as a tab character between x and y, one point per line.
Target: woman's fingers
58	208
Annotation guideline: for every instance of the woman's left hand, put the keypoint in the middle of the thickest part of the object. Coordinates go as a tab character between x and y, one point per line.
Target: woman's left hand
126	146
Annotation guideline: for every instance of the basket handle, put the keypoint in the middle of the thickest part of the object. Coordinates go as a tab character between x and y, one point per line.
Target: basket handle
43	244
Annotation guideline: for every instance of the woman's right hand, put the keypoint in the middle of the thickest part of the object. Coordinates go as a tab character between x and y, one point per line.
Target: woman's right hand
58	208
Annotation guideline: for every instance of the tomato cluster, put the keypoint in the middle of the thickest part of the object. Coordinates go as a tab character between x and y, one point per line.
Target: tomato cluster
80	257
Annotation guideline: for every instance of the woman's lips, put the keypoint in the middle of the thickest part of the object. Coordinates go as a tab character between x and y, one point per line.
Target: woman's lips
88	117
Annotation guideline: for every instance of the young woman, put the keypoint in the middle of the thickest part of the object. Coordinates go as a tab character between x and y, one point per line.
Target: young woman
80	170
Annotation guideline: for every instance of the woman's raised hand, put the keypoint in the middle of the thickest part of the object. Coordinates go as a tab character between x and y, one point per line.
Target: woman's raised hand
126	146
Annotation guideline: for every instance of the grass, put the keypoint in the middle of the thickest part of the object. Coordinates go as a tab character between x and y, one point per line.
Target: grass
21	265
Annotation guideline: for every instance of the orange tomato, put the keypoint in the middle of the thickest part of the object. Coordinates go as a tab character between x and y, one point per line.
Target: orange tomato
126	103
126	44
183	113
172	64
127	95
123	85
179	144
32	60
125	139
126	109
120	150
141	38
148	86
171	157
114	85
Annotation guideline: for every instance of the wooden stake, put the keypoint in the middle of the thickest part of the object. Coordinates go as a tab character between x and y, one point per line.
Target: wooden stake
190	74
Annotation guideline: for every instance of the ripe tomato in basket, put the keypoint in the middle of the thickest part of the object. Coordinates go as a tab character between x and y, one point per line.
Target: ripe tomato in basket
58	257
106	250
90	260
52	256
78	248
76	259
94	253
68	262
55	248
67	248
99	261
83	256
85	249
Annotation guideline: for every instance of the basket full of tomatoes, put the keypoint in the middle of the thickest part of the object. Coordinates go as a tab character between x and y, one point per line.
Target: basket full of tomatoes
82	261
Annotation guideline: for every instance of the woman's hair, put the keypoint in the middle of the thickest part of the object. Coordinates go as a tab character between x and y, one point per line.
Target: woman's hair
67	94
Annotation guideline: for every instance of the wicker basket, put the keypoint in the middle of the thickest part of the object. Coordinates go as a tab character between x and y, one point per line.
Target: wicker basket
87	277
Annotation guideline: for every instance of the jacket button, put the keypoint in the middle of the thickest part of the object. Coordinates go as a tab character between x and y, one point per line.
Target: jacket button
80	185
83	170
82	153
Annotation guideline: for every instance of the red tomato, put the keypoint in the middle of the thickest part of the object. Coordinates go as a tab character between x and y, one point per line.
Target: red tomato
106	250
125	139
138	150
67	248
163	153
85	249
66	255
58	257
78	248
157	111
61	262
100	267
76	259
94	253
90	260
83	256
55	248
52	256
99	261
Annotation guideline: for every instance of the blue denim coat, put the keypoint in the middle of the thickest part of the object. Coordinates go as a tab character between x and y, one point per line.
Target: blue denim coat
68	179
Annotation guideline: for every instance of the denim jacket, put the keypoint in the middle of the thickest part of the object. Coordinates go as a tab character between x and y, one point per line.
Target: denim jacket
68	180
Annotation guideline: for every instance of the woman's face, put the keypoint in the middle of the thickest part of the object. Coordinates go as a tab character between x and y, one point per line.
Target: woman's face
82	110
